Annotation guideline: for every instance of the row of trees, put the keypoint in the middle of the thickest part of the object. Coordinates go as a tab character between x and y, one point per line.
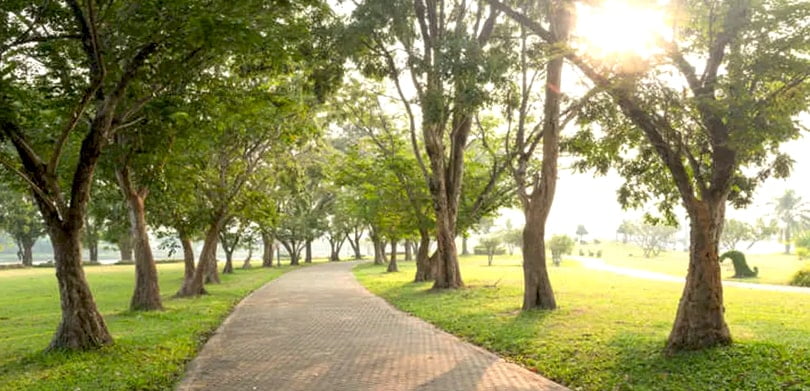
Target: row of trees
209	114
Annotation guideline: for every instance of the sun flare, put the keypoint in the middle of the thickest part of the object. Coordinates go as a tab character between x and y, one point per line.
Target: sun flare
614	29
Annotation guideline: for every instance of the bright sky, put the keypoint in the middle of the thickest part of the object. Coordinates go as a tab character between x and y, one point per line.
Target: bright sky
591	201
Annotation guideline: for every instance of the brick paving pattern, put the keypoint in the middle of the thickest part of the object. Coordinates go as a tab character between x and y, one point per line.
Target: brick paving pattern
318	329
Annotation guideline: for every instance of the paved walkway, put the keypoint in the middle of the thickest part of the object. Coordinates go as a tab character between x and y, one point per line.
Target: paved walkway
598	264
318	329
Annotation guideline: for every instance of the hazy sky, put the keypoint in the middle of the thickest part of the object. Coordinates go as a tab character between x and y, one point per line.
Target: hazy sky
585	199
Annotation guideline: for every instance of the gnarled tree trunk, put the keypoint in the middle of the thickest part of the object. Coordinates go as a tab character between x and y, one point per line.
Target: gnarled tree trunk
423	266
82	326
700	322
146	296
194	286
228	268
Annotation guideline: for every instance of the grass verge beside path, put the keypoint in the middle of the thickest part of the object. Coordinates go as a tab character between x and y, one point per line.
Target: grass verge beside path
151	349
609	331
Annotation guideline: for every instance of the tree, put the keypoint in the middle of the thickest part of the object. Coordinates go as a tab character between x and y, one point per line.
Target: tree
793	214
529	129
20	219
734	232
242	128
98	64
581	232
445	54
692	138
626	229
512	238
653	238
490	244
559	245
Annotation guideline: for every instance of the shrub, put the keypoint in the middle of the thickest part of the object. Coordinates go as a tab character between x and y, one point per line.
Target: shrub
581	252
599	254
801	278
803	253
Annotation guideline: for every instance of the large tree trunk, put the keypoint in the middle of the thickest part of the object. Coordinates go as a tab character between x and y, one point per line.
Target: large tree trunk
447	274
308	251
194	286
212	275
700	321
267	250
392	264
125	247
537	292
188	256
82	326
423	266
333	251
146	296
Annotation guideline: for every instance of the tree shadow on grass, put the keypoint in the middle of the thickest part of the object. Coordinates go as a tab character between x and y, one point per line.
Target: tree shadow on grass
640	364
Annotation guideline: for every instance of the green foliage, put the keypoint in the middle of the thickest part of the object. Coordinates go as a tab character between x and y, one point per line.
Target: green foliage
652	239
801	278
559	245
793	214
608	335
802	242
491	246
161	343
741	269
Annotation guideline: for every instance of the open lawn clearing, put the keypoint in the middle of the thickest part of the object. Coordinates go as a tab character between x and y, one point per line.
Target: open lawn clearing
610	329
150	349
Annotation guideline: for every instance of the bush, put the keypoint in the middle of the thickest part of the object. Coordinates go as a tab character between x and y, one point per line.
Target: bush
599	254
801	278
803	253
581	252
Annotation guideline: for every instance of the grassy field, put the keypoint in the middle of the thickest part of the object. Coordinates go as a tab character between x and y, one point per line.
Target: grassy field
773	268
609	331
151	349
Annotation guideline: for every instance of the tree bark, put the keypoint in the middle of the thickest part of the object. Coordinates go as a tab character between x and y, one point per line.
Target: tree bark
93	249
423	266
246	264
354	242
392	264
28	251
228	268
447	274
267	250
188	256
700	322
308	251
146	296
125	247
409	250
537	291
194	286
379	257
82	326
464	250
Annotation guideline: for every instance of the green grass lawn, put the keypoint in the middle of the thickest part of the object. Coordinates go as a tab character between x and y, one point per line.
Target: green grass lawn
773	268
151	349
609	331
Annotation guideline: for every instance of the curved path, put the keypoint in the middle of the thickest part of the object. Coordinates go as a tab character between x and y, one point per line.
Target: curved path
598	264
317	328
